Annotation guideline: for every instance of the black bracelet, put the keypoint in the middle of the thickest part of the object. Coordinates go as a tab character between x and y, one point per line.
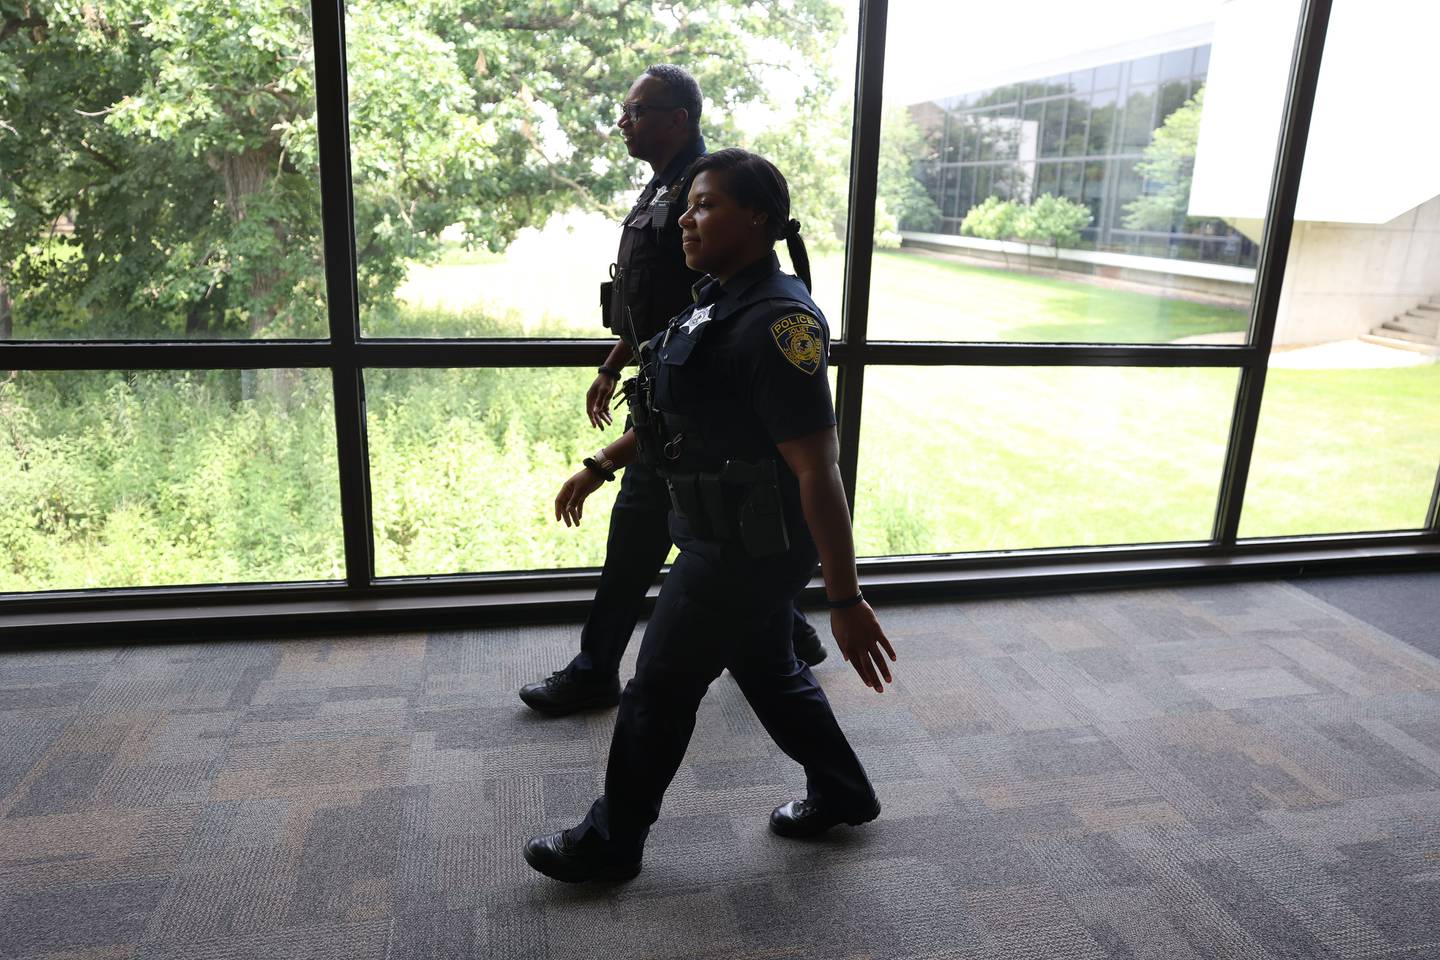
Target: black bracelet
854	601
610	372
591	463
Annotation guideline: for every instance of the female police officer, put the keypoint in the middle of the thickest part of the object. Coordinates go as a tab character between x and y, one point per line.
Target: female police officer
733	408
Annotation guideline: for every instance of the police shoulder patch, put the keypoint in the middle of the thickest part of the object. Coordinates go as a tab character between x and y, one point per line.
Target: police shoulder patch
800	339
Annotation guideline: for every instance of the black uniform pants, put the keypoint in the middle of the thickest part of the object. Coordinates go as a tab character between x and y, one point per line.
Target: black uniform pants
719	610
638	544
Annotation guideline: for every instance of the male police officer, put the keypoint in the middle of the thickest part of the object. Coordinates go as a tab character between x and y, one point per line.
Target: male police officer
660	121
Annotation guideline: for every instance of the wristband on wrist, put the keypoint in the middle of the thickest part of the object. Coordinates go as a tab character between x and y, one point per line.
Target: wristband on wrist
610	372
600	464
854	601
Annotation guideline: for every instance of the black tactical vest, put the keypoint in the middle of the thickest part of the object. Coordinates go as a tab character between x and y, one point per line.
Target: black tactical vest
650	282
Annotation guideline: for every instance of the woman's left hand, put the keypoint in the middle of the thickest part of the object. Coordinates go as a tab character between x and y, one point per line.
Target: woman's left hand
861	642
570	502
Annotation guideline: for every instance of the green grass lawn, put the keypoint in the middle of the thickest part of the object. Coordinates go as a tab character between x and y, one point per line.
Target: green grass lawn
960	459
914	296
926	297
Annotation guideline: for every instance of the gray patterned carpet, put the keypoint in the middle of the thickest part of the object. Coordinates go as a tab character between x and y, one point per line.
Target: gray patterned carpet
1210	772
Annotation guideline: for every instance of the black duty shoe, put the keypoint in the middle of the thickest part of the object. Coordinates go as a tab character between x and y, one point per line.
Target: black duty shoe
566	691
555	856
807	644
802	819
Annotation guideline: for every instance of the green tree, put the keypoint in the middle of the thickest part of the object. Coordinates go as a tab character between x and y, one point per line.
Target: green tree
993	219
173	141
897	187
1053	221
1169	163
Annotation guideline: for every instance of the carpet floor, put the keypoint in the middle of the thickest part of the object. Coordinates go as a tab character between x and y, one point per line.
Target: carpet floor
1224	771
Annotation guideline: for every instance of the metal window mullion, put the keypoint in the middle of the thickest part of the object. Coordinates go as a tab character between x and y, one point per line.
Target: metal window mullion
342	293
1432	515
1270	272
919	353
860	234
165	355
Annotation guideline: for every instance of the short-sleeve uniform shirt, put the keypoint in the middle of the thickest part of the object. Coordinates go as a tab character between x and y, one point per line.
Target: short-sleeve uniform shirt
745	367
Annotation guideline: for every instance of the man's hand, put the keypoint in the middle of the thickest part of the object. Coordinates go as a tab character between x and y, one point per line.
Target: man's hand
860	639
570	502
597	401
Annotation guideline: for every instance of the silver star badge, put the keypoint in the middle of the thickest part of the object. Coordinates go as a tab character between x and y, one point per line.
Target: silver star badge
701	315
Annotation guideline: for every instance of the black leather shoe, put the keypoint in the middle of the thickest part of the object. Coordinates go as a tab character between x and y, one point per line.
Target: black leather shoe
807	645
566	691
802	819
555	856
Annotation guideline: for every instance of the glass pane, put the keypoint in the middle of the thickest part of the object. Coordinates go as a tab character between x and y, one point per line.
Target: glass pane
149	478
1102	120
1047	178
160	175
1052	136
1139	111
490	175
1144	70
1076	127
1176	65
954	139
1348	439
1010	458
465	465
1132	143
1172	97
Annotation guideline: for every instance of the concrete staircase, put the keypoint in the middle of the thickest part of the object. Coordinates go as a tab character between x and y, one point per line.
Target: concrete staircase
1416	329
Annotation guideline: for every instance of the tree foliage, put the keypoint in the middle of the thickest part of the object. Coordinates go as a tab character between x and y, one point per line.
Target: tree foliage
1054	221
992	219
1169	164
176	138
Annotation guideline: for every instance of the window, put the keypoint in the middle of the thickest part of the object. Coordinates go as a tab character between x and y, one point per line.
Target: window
1077	128
138	478
1102	121
1061	409
1007	458
489	184
1146	70
1139	119
1347	436
1177	65
185	200
1052	139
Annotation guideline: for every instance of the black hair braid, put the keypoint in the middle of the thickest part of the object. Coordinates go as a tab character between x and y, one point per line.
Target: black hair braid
758	185
799	256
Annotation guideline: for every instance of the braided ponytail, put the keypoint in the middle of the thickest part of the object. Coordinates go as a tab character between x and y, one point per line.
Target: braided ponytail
799	256
758	185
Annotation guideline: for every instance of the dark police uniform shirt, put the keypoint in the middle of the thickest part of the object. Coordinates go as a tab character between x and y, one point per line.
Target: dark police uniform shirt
658	282
747	362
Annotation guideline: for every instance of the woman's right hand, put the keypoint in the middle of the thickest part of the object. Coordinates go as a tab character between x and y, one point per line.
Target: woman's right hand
570	501
597	401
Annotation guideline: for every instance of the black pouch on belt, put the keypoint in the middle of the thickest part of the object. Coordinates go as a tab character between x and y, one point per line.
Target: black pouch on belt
762	513
689	504
607	296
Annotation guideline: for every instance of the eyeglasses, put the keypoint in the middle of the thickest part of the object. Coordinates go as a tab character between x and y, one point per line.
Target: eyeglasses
634	109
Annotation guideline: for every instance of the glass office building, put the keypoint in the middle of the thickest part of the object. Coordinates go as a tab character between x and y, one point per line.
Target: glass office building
1079	135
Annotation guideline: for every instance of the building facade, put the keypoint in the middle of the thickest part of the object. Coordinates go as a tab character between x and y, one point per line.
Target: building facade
1077	133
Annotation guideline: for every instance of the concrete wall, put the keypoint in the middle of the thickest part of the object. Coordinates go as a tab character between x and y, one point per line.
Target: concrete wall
1232	286
1345	279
